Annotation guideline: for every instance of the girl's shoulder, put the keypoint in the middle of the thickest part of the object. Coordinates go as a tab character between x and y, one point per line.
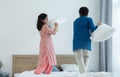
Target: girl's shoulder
45	26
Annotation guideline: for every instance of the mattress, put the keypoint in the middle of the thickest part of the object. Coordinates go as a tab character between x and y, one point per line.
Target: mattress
53	74
63	74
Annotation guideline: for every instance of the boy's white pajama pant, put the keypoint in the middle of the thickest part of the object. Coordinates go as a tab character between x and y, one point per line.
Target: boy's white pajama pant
82	59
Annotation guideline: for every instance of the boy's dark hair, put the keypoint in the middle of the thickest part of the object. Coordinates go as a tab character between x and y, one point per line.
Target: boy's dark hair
83	11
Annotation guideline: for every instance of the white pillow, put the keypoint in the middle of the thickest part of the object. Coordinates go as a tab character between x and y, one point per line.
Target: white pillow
59	21
70	67
102	33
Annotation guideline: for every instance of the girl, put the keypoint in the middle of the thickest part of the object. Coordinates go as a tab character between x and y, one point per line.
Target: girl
47	56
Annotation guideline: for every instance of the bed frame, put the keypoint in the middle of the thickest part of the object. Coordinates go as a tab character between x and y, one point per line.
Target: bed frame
29	62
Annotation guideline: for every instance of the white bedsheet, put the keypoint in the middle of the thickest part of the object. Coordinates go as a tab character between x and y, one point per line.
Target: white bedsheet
53	74
63	74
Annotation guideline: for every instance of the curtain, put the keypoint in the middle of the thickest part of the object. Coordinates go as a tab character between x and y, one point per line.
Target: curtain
105	48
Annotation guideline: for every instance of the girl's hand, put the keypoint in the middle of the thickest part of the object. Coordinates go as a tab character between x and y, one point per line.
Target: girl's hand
99	23
56	24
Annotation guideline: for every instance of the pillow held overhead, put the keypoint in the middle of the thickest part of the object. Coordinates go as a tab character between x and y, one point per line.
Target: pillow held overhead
59	21
102	33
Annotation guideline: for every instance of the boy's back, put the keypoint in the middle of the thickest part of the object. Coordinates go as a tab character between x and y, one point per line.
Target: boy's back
82	28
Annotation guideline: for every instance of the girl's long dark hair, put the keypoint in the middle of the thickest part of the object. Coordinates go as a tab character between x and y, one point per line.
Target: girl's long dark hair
40	24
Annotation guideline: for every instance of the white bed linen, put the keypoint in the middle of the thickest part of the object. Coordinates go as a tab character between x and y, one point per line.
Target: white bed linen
53	74
64	74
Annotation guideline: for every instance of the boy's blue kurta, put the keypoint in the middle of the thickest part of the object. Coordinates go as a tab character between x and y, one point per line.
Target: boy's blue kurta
82	28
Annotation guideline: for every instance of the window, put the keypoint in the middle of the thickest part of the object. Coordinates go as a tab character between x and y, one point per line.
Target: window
116	37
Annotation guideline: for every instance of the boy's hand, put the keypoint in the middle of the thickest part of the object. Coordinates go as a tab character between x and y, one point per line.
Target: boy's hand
99	23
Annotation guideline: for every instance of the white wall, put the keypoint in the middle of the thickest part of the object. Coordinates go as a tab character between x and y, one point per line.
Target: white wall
18	33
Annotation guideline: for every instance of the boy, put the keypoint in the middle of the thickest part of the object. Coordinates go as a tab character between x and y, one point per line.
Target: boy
82	28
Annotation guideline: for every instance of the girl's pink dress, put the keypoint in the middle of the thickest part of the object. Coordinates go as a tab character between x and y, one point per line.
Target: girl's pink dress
47	56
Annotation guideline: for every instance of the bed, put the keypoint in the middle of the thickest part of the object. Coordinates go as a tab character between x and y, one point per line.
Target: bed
24	65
